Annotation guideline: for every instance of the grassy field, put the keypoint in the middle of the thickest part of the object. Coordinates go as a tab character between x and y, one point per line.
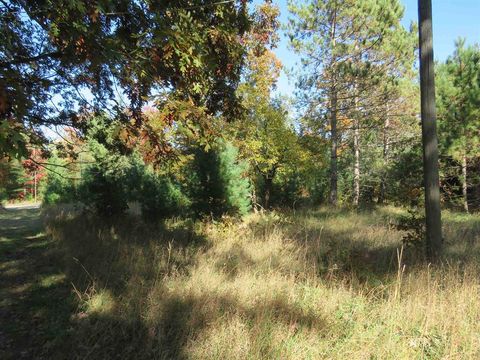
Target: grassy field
35	301
319	284
325	283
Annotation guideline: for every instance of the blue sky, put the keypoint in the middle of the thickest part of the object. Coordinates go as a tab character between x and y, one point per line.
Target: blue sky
451	19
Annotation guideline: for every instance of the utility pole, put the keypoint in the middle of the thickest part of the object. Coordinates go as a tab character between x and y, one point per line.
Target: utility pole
429	132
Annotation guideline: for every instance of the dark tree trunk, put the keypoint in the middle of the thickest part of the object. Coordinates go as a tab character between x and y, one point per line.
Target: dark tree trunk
333	117
268	192
465	183
333	149
268	180
429	132
386	150
356	150
356	170
474	203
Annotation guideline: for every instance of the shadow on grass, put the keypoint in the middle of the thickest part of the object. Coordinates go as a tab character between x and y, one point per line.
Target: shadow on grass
127	259
338	253
98	252
364	245
35	301
184	319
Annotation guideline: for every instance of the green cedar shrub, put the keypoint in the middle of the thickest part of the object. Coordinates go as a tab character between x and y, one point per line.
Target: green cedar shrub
160	197
218	184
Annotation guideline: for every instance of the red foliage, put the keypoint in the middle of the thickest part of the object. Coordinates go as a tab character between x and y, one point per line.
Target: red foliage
34	171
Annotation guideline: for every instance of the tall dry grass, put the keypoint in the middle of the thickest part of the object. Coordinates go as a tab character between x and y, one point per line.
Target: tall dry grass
323	284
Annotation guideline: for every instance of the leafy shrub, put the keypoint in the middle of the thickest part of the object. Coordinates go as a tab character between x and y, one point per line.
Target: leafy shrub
160	197
59	186
404	178
115	180
237	187
117	176
58	189
286	190
218	183
111	181
104	191
413	226
13	178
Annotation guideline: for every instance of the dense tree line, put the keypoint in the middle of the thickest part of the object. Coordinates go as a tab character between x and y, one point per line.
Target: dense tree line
173	105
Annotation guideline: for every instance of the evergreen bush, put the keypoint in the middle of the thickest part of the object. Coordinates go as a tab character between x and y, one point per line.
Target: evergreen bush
218	183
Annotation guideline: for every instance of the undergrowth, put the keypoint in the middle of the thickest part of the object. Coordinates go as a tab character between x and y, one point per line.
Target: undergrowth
323	284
